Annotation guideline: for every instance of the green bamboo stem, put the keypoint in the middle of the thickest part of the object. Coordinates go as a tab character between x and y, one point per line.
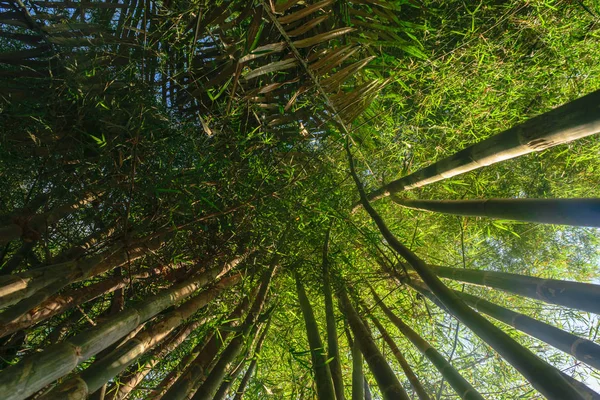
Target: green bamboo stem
208	388
239	394
227	382
358	378
332	343
36	371
585	391
576	212
384	375
59	278
412	378
15	288
582	349
95	376
62	302
545	378
323	380
578	295
192	375
571	121
460	385
133	379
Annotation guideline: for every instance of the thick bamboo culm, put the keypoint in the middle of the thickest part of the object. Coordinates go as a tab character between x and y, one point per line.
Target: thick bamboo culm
239	393
98	374
412	378
388	383
544	377
582	349
578	295
584	391
323	380
571	121
211	384
460	385
333	353
36	371
575	212
133	378
193	374
358	376
62	302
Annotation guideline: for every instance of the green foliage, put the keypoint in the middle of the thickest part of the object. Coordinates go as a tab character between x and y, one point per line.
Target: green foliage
153	110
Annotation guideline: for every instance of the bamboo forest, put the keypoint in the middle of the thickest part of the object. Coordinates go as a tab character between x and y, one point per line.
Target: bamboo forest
299	199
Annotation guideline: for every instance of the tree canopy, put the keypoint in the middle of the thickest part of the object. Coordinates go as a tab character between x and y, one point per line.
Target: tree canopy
299	199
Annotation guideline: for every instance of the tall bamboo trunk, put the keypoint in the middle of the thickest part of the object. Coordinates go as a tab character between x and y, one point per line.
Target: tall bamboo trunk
239	393
576	212
226	384
333	353
323	382
460	385
384	375
208	388
135	377
571	121
192	375
62	302
358	377
117	361
59	278
18	287
38	370
578	295
585	391
544	377
582	349
412	378
176	372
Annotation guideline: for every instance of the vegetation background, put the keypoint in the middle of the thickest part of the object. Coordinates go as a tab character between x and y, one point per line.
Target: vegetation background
144	142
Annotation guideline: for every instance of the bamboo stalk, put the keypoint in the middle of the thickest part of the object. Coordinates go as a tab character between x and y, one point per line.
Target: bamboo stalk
208	388
578	295
571	121
460	385
323	381
575	212
133	379
384	375
582	349
544	377
585	391
117	361
239	393
358	378
32	227
62	302
333	353
194	374
38	370
176	372
412	378
226	384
